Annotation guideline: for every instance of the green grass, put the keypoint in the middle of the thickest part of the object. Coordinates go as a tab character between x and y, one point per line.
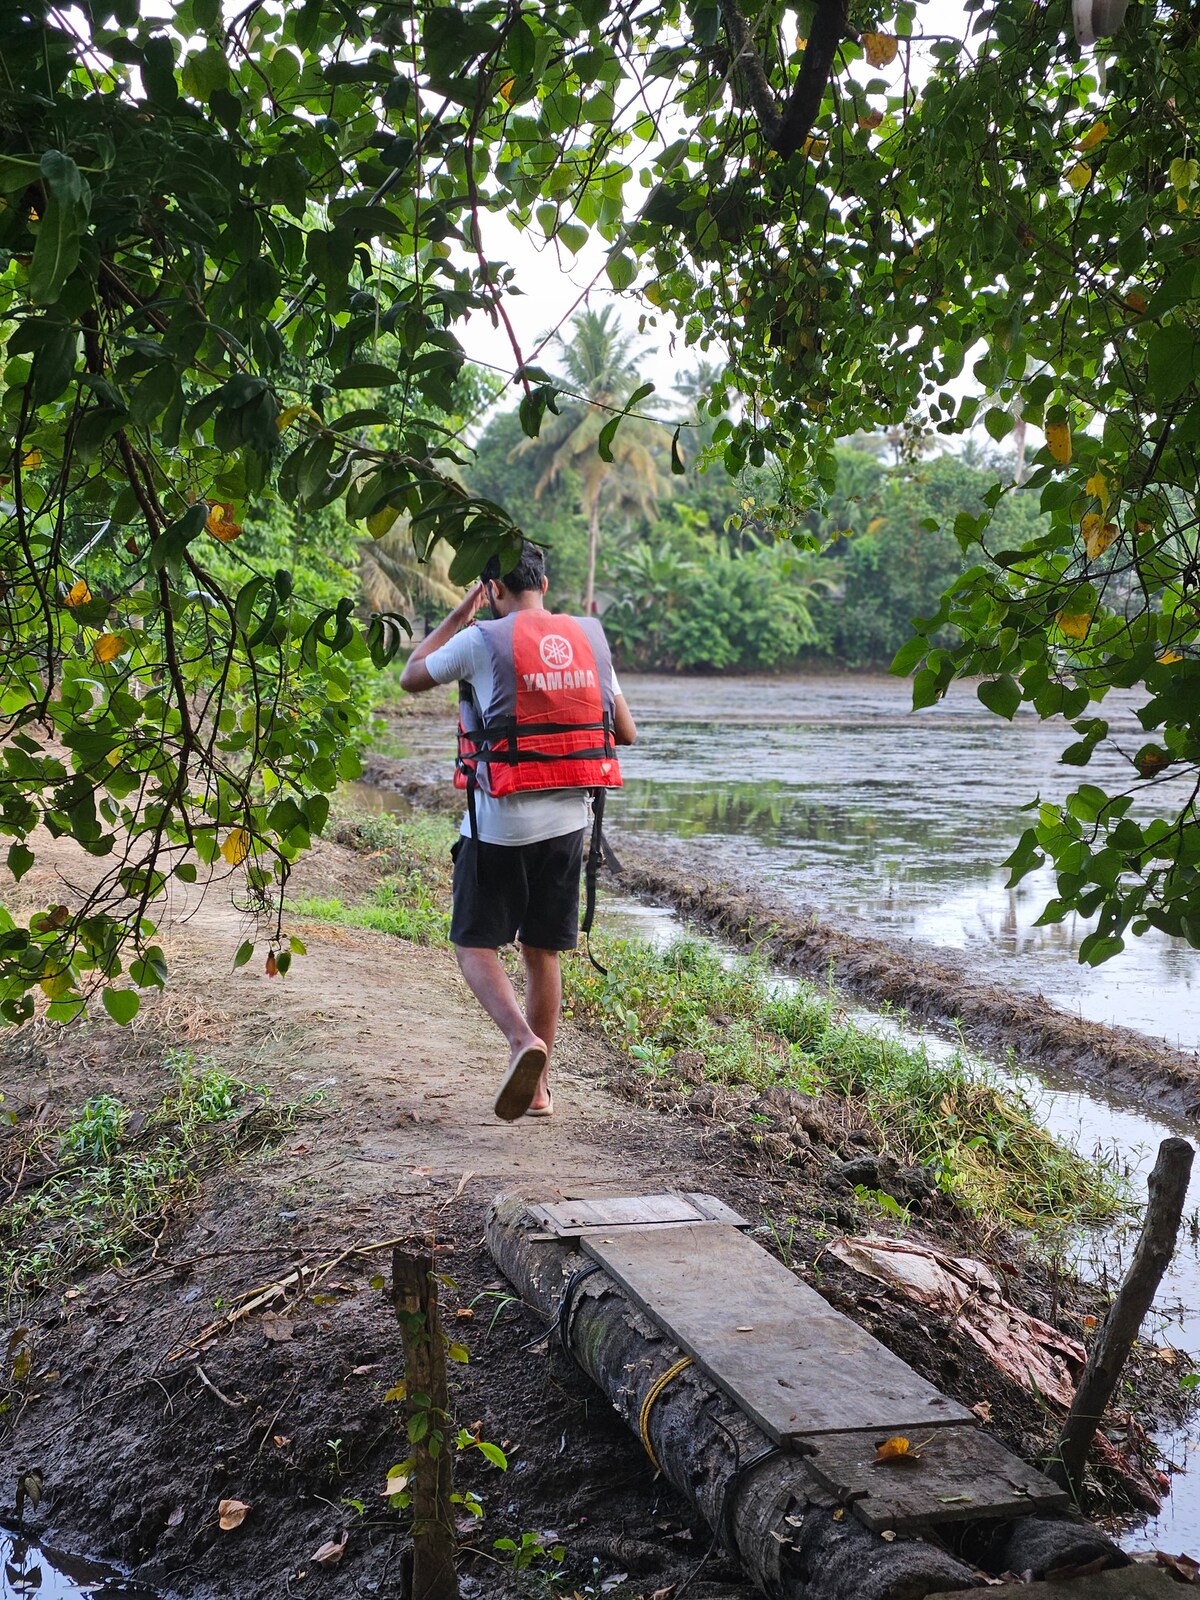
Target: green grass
982	1137
116	1172
411	899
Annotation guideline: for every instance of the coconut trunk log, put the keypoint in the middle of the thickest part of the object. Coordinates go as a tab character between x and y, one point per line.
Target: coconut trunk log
767	1508
770	1512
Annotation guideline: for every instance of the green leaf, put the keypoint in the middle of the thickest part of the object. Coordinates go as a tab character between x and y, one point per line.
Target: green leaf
365	375
1001	695
20	859
245	951
56	253
494	1454
622	270
122	1005
1173	361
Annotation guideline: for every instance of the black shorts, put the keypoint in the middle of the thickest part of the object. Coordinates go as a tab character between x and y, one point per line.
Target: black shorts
528	892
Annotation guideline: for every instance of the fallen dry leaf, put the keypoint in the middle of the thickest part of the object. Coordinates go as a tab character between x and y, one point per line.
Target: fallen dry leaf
359	1372
332	1551
276	1328
1181	1566
281	1441
983	1410
888	1533
896	1449
464	1314
232	1513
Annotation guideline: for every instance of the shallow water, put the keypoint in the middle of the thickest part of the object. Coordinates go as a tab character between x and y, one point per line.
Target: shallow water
832	793
29	1571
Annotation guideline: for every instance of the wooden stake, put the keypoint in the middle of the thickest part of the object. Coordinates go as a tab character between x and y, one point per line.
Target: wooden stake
414	1296
1167	1190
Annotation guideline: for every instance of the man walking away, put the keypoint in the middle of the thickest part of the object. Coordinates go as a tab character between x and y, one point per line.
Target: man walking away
540	714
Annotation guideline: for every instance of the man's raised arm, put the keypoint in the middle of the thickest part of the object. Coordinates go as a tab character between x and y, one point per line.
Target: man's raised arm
415	678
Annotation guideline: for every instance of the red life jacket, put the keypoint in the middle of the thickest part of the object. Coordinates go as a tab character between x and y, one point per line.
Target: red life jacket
550	723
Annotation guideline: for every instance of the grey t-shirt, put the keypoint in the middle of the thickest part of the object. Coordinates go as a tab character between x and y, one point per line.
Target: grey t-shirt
510	818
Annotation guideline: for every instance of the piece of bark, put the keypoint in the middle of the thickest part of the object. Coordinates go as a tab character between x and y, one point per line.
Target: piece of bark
414	1296
1167	1191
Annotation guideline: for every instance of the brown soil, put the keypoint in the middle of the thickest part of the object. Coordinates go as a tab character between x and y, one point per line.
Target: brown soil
137	1445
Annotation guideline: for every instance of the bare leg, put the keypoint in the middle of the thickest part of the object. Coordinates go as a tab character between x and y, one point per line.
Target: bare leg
489	983
543	1003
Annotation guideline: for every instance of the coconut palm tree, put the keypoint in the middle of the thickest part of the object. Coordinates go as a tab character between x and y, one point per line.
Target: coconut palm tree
392	578
598	365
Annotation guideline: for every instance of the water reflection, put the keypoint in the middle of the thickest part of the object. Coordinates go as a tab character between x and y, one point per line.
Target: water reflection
30	1571
833	794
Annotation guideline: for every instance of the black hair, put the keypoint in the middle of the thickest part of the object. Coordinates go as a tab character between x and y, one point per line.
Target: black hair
528	573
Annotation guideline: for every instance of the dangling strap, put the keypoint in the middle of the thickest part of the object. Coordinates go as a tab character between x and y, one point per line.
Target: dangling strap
599	851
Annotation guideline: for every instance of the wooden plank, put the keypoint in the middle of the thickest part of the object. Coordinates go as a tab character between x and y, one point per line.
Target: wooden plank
778	1350
960	1474
567	1219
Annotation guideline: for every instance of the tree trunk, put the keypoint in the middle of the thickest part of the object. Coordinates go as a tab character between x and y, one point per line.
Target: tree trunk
589	594
770	1512
1167	1187
414	1296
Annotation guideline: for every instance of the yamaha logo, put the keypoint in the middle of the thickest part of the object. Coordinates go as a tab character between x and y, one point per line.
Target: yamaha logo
556	651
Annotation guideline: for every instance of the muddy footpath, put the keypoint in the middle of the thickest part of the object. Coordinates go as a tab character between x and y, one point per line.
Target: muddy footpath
247	1352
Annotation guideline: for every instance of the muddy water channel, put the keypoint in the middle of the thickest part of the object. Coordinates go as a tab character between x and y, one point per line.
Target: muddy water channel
837	795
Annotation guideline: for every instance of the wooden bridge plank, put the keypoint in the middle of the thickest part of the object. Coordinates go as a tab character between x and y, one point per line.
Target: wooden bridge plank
960	1474
778	1350
569	1218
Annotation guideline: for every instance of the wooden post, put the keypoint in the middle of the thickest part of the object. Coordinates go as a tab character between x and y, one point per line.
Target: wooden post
414	1296
1167	1190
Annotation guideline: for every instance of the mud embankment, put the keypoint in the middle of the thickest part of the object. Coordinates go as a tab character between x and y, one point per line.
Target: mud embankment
922	980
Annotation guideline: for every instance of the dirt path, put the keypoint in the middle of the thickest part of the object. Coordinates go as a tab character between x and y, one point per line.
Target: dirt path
141	1416
136	1449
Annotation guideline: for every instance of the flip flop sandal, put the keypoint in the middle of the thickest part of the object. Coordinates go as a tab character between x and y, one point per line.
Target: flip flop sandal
542	1111
520	1082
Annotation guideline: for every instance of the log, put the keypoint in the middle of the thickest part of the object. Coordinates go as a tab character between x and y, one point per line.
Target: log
415	1299
771	1513
1167	1191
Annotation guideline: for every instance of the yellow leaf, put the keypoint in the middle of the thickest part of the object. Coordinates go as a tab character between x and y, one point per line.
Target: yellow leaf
506	90
396	1483
22	1364
383	521
232	1513
108	647
895	1449
880	49
1137	303
236	847
815	148
1169	656
31	459
220	523
57	984
1097	535
1058	441
875	524
398	1391
289	414
78	594
1094	136
1184	174
653	293
1074	624
871	120
1097	485
1079	176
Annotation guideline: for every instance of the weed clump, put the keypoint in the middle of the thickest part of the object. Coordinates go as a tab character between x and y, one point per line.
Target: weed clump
411	897
100	1189
980	1135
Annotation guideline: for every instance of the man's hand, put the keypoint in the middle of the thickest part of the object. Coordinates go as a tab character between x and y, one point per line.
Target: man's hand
415	677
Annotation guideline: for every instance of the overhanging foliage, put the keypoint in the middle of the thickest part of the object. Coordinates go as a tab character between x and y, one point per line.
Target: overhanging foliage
224	236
